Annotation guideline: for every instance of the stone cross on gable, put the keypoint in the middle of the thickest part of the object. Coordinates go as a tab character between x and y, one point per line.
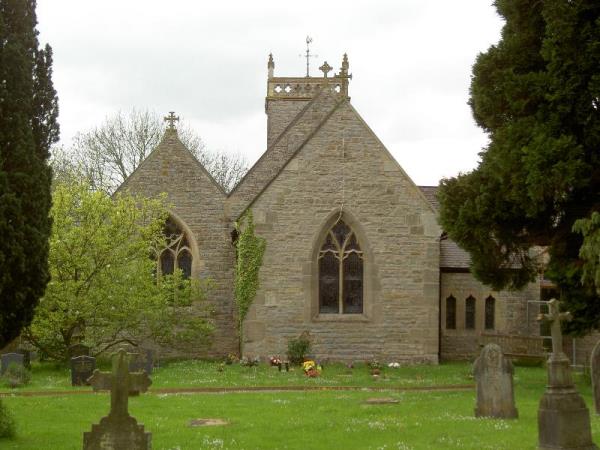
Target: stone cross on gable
325	68
120	382
171	118
555	318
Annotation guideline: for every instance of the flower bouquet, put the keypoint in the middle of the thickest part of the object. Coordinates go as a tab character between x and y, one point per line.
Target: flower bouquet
311	369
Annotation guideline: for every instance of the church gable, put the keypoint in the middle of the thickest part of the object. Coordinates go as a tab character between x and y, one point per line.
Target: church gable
343	174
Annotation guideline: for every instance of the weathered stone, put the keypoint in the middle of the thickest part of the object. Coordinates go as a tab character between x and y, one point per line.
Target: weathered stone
494	377
82	367
563	418
79	350
10	358
142	360
118	431
595	368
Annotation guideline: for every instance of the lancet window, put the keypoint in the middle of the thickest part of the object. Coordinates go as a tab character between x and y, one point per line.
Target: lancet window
451	313
177	253
490	313
341	268
470	313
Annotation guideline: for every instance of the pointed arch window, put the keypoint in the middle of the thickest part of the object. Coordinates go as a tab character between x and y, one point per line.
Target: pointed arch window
341	269
451	313
177	253
470	313
490	313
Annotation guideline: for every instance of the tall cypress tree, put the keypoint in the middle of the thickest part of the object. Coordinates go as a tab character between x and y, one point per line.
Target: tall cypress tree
28	126
537	95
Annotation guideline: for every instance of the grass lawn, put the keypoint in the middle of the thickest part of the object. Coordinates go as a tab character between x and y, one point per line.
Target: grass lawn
290	419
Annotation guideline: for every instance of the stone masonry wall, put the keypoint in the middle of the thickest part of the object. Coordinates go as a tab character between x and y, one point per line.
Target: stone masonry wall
280	114
279	152
344	163
198	206
512	315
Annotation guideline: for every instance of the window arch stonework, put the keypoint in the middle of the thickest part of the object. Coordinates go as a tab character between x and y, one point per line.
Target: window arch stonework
341	284
177	253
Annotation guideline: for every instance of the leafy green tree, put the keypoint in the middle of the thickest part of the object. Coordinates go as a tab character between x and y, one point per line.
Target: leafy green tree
104	289
537	95
28	126
590	249
249	253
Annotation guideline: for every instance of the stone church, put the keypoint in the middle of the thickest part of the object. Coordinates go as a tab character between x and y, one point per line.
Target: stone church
354	256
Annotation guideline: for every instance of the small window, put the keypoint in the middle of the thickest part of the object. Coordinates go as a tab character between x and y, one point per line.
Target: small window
490	313
470	313
451	313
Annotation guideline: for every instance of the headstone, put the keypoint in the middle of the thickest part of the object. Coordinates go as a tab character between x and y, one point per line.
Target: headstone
78	350
118	430
26	357
595	367
82	367
494	377
10	358
563	418
142	360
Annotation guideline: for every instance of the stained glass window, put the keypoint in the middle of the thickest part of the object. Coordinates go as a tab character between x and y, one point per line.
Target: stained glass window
490	313
470	313
451	313
341	272
176	254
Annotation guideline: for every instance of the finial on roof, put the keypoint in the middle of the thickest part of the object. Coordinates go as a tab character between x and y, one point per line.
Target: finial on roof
171	118
271	65
325	68
345	64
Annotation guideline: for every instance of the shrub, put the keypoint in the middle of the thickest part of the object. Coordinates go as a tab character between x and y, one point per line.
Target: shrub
16	376
298	349
7	423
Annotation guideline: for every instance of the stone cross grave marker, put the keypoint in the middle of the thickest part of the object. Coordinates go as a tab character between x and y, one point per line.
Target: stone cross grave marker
118	430
10	358
595	367
82	367
494	376
563	417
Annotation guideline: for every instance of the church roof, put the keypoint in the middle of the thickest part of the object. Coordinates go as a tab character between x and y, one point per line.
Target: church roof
451	255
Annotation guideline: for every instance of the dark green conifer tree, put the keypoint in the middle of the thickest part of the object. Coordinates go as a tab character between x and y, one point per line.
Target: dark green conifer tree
537	95
28	126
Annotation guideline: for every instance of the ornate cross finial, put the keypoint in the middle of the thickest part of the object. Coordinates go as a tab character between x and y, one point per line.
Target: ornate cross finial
120	382
325	68
555	318
308	55
171	118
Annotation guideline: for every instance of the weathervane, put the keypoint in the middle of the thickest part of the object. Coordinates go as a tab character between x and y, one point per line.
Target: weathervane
308	55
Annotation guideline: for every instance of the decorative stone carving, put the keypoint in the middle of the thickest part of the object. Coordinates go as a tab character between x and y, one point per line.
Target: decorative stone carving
494	376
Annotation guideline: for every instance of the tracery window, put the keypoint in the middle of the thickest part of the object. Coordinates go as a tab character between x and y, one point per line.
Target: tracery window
490	313
177	253
470	313
451	313
341	268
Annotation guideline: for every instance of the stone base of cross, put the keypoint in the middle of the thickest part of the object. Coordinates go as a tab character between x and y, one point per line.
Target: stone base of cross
118	430
563	417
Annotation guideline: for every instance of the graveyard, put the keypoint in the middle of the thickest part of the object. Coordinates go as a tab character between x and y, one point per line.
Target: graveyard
213	405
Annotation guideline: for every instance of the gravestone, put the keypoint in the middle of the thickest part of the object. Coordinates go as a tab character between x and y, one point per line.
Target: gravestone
118	430
595	367
10	358
78	350
82	367
142	360
494	376
563	418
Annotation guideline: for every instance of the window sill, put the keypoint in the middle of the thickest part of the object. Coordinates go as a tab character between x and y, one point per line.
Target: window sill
341	318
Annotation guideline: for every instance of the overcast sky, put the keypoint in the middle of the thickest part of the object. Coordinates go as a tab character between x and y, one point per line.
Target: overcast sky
207	61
